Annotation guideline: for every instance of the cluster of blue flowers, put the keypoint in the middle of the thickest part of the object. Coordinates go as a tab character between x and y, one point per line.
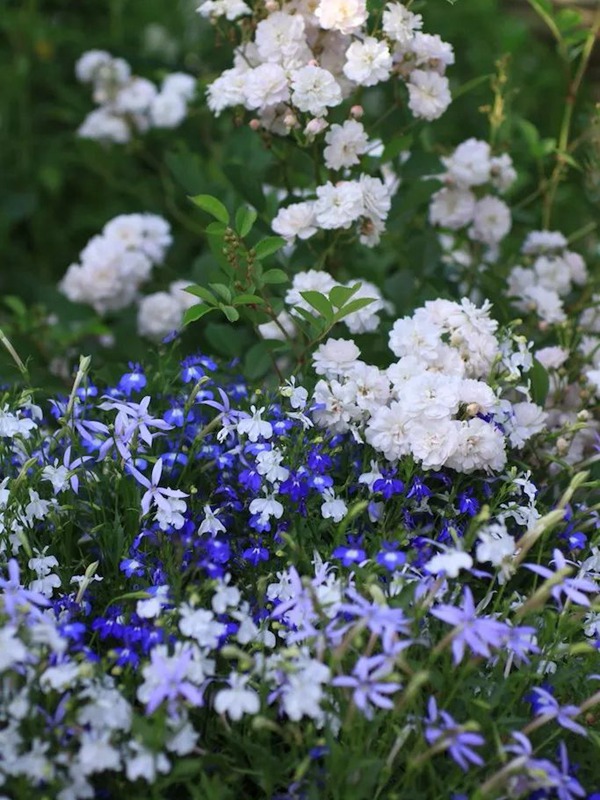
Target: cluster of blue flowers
205	553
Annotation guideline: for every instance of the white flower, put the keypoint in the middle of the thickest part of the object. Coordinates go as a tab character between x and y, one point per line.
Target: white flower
368	62
527	420
480	446
400	24
135	97
225	596
552	272
339	205
345	143
238	699
268	464
266	507
102	125
495	544
452	208
333	507
297	219
345	16
143	763
201	625
265	85
168	110
180	83
226	91
542	241
470	164
231	9
335	357
430	52
491	220
280	38
434	443
210	523
158	314
450	563
429	94
254	426
315	90
387	431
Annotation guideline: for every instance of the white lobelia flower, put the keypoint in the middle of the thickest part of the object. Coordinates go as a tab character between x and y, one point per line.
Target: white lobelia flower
238	699
253	426
450	563
266	507
333	507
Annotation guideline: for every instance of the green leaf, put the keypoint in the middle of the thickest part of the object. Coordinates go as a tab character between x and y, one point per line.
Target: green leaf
200	291
244	220
268	246
216	228
248	300
16	305
257	361
540	383
212	206
222	290
340	295
320	303
195	312
396	146
230	312
352	306
275	276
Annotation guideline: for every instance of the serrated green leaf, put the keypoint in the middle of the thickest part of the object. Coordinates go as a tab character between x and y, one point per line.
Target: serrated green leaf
222	290
268	246
230	312
540	383
195	312
340	295
212	206
200	291
275	276
245	218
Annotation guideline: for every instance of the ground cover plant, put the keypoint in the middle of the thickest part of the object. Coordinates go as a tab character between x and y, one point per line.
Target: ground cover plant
319	516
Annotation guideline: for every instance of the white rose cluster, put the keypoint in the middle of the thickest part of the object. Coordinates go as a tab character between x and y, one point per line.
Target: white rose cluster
306	58
436	402
161	313
468	202
114	264
365	202
128	104
548	274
